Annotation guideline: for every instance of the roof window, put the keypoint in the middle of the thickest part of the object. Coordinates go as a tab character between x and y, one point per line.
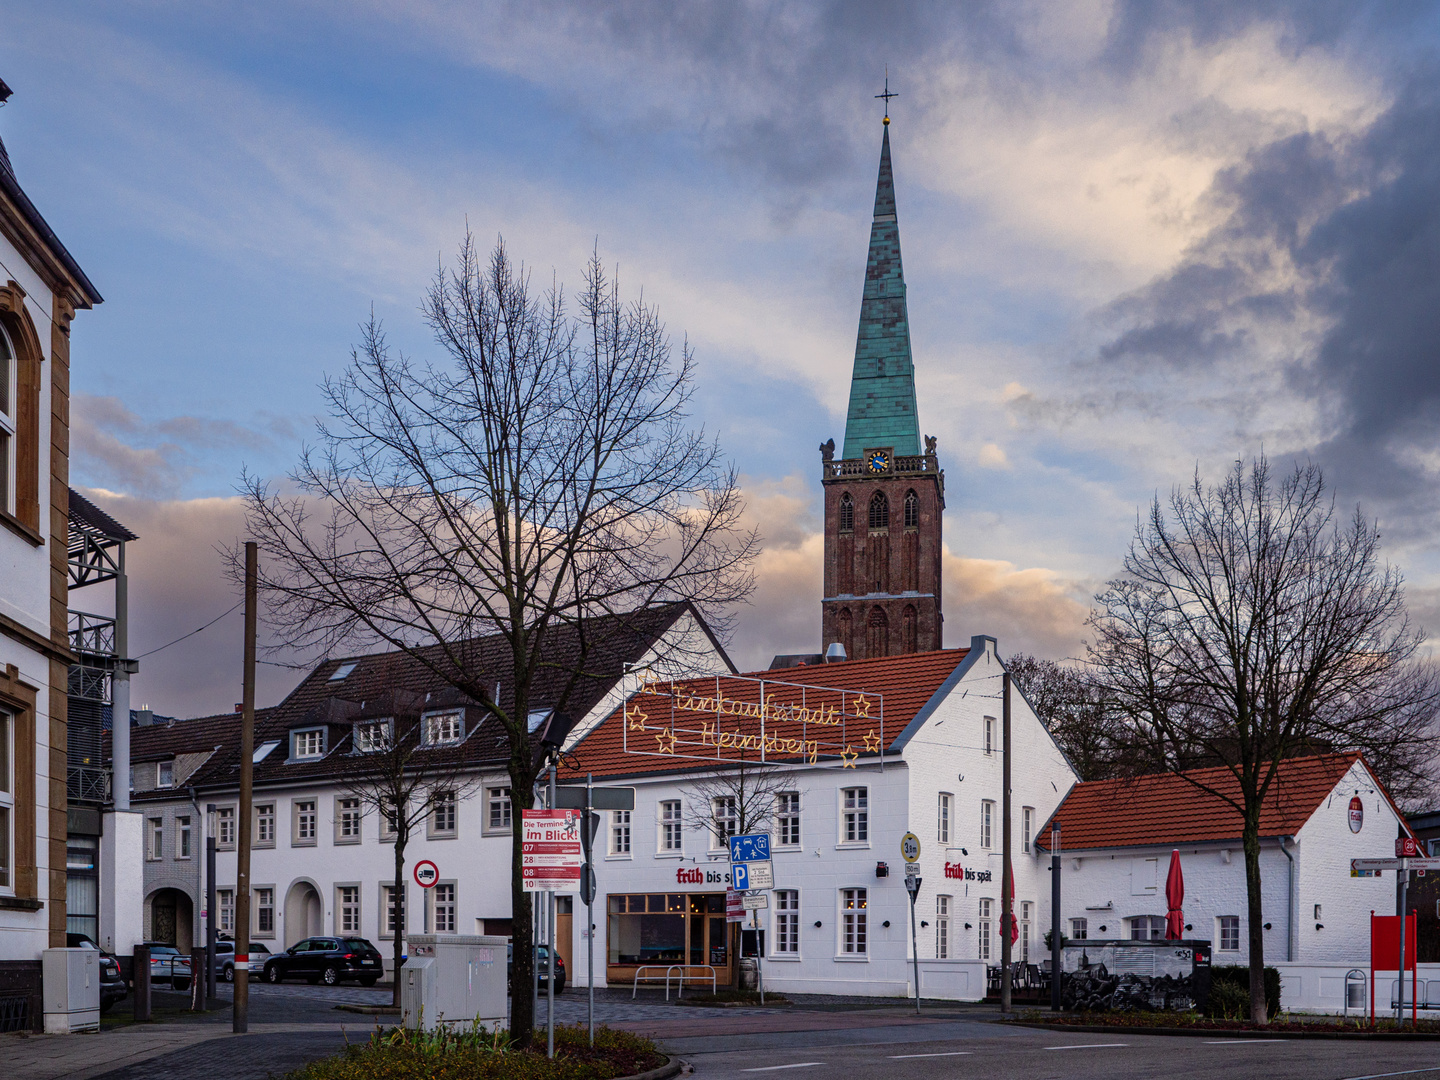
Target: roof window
343	670
263	750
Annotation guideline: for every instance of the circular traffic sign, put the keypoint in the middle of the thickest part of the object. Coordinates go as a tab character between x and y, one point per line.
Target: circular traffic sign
427	874
910	847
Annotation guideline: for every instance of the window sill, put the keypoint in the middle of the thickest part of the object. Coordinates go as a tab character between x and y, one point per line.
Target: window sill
788	958
20	903
497	831
852	845
619	858
670	855
852	959
20	529
342	841
302	843
262	844
442	836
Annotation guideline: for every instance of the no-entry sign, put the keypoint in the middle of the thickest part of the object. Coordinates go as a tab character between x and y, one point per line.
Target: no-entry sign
550	851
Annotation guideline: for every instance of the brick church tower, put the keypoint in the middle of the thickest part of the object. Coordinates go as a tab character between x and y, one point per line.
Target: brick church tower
883	496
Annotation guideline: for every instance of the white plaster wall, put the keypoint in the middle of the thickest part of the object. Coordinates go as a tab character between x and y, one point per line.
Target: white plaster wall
122	877
1320	988
24	935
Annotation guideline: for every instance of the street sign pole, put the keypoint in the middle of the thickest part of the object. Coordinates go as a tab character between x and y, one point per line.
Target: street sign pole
1055	917
759	955
912	886
1404	873
1007	903
589	907
550	943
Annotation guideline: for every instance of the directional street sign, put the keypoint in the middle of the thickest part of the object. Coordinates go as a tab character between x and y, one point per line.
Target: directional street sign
910	847
756	901
1429	863
752	847
752	875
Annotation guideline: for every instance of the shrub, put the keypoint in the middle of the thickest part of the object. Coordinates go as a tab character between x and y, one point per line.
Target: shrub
1229	980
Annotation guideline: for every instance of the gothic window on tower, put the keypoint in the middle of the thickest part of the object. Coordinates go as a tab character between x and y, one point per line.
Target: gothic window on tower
912	510
877	635
847	513
879	511
908	618
846	632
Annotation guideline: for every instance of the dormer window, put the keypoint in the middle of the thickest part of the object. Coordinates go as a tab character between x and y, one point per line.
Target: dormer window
372	736
307	744
444	728
165	774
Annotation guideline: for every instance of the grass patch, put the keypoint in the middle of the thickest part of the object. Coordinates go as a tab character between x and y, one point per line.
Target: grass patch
478	1054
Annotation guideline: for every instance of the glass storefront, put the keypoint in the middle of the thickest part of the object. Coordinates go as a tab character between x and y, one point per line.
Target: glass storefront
668	928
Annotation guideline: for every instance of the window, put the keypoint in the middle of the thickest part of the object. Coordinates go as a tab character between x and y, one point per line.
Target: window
1147	928
989	738
1230	933
347	819
855	816
372	737
263	750
852	912
1027	828
666	928
912	510
265	824
442	814
343	670
724	820
987	821
1079	929
303	823
157	838
619	832
942	928
847	513
9	392
182	837
165	774
443	728
879	511
388	906
787	922
347	906
942	824
442	908
265	912
671	832
1027	917
497	801
225	827
389	823
987	909
7	800
308	744
226	898
787	819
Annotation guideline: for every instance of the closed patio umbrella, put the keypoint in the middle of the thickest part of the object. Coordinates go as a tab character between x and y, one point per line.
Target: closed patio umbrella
1174	897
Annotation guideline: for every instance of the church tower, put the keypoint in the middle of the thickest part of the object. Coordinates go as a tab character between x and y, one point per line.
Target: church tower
883	495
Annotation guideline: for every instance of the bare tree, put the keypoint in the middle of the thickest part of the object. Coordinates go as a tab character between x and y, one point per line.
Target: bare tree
539	475
1070	702
406	769
1253	624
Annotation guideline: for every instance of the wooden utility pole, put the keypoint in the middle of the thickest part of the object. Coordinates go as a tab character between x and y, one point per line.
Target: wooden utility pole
1007	903
240	1018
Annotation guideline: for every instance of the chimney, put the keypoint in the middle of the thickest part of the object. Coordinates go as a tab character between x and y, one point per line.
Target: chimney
144	717
835	653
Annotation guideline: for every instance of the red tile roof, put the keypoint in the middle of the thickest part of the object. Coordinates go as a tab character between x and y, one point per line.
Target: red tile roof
904	684
1166	808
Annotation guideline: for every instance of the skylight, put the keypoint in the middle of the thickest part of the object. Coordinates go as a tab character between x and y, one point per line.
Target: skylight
343	670
536	718
263	751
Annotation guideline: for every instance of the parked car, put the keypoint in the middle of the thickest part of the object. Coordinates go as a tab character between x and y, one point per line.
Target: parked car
168	965
542	966
225	959
112	982
328	960
258	955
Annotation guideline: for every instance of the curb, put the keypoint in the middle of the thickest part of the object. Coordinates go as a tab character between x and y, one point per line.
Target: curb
369	1010
660	1072
1234	1033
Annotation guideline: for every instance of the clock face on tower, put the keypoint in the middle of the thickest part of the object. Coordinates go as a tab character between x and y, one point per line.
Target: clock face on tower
877	461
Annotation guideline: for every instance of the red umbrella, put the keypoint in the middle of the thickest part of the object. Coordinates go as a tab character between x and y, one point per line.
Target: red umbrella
1174	896
1014	925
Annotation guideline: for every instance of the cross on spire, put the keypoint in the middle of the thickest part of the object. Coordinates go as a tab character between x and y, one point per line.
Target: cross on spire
887	95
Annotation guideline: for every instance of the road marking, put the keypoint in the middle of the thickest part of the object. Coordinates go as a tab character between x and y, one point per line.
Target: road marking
948	1053
797	1065
1402	1072
1097	1046
1238	1042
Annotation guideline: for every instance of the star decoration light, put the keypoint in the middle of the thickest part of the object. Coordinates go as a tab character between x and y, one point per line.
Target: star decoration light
637	719
862	706
666	739
872	741
847	757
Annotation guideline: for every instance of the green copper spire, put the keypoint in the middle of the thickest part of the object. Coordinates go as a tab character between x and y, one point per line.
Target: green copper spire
882	388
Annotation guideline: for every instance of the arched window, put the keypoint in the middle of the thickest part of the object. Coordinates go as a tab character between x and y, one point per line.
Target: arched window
8	394
879	511
877	633
912	509
847	513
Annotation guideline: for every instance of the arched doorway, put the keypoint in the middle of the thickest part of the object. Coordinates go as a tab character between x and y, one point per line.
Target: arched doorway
304	914
172	919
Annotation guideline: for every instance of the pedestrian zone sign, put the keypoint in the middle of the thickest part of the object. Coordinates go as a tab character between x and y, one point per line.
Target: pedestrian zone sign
752	847
752	875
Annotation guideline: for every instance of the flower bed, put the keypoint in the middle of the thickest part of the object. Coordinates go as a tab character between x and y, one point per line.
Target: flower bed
399	1054
1281	1025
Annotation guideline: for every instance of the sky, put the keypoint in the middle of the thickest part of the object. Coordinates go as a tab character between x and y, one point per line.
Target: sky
1140	240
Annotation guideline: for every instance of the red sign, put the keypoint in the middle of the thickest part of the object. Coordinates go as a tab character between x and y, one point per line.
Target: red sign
550	855
734	906
1407	847
1385	942
426	874
1357	814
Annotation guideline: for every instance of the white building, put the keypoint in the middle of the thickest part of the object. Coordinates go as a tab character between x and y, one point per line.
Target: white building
41	287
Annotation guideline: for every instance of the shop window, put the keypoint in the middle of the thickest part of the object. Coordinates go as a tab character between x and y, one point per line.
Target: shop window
1230	934
787	922
853	925
942	928
855	815
787	819
984	926
662	928
1079	929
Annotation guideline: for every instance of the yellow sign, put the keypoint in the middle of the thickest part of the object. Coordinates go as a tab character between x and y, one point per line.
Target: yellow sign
910	847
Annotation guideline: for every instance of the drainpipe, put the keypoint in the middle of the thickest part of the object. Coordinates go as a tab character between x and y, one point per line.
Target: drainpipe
1293	913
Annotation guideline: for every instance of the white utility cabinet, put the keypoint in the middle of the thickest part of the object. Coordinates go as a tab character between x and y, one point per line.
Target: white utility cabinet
70	990
459	980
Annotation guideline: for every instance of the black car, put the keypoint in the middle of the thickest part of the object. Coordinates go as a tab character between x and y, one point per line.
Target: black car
328	960
542	967
112	983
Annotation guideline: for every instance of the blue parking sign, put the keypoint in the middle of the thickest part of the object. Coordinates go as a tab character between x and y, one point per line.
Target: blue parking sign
752	847
740	876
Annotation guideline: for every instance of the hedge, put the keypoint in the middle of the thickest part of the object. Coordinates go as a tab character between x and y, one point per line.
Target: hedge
1230	992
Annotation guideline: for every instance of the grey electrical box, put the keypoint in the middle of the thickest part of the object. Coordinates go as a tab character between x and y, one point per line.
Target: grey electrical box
71	990
464	981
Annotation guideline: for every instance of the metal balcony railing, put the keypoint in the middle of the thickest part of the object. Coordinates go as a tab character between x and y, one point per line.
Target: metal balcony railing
88	682
86	783
91	635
